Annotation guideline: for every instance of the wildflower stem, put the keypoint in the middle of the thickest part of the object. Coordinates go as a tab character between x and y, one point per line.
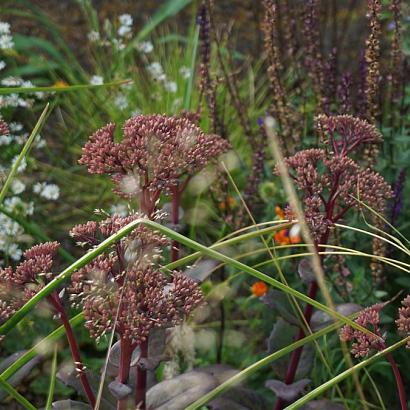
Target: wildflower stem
141	379
55	301
400	387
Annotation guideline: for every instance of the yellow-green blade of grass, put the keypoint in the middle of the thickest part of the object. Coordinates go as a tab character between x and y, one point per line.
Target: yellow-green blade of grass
16	395
52	380
323	387
89	256
190	82
59	89
23	153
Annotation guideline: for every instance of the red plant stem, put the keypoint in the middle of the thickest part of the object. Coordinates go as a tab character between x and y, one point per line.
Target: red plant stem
399	381
124	369
55	301
296	354
176	195
141	379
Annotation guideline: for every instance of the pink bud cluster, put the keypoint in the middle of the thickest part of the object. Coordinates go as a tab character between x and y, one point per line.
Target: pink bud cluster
123	289
331	182
403	322
364	343
155	152
20	284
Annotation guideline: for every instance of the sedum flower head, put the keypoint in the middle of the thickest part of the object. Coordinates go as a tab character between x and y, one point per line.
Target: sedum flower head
330	181
155	152
363	343
20	284
403	322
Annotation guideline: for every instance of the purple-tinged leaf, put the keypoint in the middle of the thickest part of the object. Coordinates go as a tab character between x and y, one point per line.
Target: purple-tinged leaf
287	392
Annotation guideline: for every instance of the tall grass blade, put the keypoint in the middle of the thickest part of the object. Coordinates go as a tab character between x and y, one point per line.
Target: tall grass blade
52	380
60	89
16	395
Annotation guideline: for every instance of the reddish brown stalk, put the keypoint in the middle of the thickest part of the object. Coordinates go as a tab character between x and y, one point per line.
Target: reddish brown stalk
399	381
124	369
55	301
141	385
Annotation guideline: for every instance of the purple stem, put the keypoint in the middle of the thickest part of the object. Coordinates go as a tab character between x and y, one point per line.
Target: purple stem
55	301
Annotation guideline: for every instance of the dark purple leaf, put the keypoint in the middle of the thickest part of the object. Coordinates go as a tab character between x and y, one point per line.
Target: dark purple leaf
287	392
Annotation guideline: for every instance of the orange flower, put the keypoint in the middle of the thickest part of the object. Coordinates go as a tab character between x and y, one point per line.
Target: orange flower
259	289
282	237
279	212
60	84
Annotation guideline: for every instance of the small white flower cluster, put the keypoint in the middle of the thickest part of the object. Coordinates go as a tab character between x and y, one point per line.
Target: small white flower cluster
6	40
145	47
47	191
96	80
13	239
157	73
124	32
125	25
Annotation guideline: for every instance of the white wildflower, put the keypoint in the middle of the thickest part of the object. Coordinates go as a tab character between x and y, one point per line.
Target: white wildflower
145	47
185	72
119	209
118	44
171	86
6	42
121	101
124	31
12	81
15	126
2	65
156	71
17	187
96	80
5	139
4	27
22	166
93	36
125	20
47	191
51	192
14	251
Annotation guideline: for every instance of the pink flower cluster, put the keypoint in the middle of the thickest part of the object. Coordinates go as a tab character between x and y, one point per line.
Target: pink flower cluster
124	289
403	322
155	153
20	284
364	342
